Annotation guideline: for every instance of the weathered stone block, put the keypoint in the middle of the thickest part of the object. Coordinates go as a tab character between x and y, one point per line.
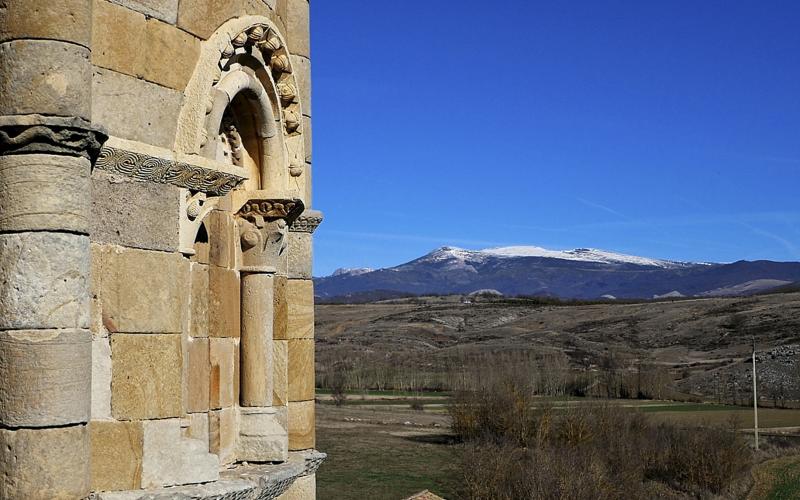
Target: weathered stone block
222	434
263	435
203	17
308	134
134	109
116	455
223	303
146	377
302	72
307	175
67	20
300	296
96	317
46	377
159	457
134	214
302	488
301	369
45	464
297	32
44	192
280	394
118	38
101	378
300	255
198	315
171	55
301	425
222	354
198	427
280	325
169	459
45	281
198	375
166	10
140	291
237	373
221	238
45	77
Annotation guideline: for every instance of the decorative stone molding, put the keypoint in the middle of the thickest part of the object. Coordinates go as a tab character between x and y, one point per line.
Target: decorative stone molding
144	167
313	460
272	209
50	135
307	222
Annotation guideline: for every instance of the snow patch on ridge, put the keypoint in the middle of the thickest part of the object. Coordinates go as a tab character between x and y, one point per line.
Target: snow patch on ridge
584	255
461	258
346	271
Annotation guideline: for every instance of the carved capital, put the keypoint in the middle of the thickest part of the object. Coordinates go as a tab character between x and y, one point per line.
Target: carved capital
307	222
263	227
28	134
263	244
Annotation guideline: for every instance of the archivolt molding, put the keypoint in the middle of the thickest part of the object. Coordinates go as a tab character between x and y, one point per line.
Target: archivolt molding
225	56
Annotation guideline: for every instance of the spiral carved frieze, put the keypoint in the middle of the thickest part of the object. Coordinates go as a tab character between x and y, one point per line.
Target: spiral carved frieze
153	169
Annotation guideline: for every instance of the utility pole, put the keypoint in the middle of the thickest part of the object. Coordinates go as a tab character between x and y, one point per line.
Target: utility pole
755	395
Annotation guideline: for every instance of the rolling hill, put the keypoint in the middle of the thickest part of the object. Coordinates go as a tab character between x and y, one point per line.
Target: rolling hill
573	274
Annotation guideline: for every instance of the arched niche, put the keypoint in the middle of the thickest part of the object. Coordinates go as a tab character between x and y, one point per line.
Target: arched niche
245	78
243	130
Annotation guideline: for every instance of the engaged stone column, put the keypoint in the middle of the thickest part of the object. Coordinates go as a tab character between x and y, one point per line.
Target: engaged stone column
47	144
263	428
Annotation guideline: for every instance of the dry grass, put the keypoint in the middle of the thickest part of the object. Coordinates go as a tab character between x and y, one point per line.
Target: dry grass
513	450
777	479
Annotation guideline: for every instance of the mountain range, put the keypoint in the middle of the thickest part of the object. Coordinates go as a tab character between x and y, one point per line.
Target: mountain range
582	273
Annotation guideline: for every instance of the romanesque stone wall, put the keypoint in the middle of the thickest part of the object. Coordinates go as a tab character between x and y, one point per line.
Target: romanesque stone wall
156	302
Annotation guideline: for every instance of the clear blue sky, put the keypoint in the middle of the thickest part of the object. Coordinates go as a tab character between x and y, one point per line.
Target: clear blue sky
667	129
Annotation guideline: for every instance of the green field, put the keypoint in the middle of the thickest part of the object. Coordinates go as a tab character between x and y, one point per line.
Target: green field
378	461
777	479
379	448
787	484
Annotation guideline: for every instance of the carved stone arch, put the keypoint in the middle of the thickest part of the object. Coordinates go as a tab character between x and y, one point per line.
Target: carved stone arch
248	56
243	86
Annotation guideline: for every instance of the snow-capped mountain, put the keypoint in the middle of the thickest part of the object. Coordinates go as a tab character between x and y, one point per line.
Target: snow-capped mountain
456	254
529	270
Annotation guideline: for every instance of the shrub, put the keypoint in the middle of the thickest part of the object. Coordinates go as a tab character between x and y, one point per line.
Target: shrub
512	449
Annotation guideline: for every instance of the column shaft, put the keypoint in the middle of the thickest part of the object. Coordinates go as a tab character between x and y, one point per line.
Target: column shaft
46	146
256	340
